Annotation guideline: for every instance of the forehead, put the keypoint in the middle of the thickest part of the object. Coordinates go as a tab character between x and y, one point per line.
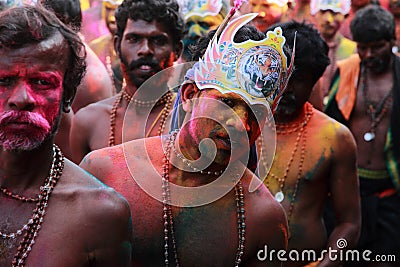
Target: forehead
142	27
214	93
377	43
51	54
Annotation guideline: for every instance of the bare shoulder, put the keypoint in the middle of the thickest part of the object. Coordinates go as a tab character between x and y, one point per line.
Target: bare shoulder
92	112
266	222
84	191
105	163
331	128
95	219
264	207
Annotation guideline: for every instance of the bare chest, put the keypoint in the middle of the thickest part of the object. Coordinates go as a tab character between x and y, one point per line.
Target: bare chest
56	243
209	230
125	123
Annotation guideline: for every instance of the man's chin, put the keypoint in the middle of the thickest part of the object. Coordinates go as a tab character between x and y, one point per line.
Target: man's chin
23	143
284	110
20	145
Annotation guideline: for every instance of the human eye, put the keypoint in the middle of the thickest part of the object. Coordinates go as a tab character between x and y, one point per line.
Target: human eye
229	102
41	83
6	80
132	38
160	40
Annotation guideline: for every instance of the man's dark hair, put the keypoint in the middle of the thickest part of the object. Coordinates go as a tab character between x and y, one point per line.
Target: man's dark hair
311	53
30	25
166	12
68	11
373	23
247	32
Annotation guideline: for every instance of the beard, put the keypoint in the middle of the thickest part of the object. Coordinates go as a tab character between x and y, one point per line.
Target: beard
376	65
287	105
129	67
22	139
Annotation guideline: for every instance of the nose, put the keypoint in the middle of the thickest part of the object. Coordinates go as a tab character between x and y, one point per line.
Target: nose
329	17
367	52
21	98
145	48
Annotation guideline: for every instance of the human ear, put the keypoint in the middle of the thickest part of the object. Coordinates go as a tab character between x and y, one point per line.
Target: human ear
117	44
178	50
188	92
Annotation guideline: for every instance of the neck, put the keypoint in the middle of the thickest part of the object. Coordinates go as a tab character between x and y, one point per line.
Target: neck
332	39
130	88
190	169
21	170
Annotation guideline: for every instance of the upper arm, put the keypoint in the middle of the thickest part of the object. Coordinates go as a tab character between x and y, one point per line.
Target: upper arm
271	233
111	237
344	184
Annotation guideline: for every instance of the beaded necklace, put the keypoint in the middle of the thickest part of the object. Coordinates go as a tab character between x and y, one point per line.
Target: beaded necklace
187	163
32	227
283	129
376	110
169	232
166	99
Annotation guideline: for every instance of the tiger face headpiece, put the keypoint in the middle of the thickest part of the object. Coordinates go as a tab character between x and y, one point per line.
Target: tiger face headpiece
256	70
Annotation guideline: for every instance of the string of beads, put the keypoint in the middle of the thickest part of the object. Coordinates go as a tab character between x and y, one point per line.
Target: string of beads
168	217
32	227
162	116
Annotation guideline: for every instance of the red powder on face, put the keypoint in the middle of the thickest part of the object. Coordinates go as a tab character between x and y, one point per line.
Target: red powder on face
22	130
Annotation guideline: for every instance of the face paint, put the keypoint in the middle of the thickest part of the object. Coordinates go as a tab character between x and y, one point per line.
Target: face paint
31	90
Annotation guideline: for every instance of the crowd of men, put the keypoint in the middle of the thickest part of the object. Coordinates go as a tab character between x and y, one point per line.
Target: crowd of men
199	133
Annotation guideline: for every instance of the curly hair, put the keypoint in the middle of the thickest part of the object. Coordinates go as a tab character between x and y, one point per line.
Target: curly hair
28	25
68	11
311	50
246	32
373	23
165	12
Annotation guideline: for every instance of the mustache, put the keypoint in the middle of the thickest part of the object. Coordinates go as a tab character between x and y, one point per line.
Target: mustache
372	61
32	118
143	61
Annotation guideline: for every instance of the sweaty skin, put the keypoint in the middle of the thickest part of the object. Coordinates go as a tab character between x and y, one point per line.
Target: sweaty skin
329	162
202	229
199	230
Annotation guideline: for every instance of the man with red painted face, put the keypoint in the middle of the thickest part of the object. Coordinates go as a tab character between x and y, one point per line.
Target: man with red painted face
365	96
52	213
197	208
148	40
315	157
269	12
